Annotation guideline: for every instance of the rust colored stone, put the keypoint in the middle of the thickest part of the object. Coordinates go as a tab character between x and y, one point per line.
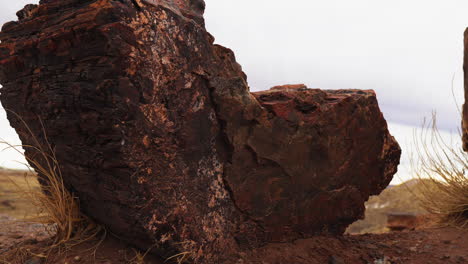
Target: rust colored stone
289	87
401	221
157	133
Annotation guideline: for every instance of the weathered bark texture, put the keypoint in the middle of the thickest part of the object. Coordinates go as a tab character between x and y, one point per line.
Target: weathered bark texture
156	131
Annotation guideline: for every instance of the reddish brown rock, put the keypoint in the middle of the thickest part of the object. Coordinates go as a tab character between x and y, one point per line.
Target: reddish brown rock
156	131
408	221
401	221
289	87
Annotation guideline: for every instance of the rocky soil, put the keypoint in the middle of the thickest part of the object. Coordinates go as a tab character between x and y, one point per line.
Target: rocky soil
23	242
431	245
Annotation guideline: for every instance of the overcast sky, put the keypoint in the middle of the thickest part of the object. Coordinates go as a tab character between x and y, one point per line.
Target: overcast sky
409	52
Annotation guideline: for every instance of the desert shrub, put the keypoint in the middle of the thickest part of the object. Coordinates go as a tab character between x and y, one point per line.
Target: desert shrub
443	165
57	208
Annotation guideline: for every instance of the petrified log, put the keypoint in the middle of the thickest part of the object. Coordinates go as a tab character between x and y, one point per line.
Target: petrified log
156	131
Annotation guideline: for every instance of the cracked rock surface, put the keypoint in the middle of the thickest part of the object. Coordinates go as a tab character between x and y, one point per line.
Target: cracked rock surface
157	133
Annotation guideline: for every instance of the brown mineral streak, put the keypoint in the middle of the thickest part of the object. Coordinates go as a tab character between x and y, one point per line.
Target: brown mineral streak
158	135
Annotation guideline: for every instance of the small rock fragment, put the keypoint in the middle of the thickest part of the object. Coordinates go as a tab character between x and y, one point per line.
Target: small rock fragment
336	260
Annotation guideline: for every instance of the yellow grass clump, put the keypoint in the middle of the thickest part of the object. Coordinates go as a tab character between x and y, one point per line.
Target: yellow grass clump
443	167
56	207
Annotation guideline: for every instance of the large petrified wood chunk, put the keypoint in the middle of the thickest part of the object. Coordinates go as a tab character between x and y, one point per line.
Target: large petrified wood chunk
157	133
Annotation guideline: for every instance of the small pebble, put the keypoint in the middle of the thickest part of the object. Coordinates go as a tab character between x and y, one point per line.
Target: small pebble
336	260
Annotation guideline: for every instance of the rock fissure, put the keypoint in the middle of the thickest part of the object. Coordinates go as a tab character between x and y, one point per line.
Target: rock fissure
230	148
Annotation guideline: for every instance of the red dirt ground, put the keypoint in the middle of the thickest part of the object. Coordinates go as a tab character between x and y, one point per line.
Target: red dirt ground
430	245
433	245
25	243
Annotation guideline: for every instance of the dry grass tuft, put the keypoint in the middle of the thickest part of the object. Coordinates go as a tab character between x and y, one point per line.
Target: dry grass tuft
57	208
181	257
186	256
139	257
443	167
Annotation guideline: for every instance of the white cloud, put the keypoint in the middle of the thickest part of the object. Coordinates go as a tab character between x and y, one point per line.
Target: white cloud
8	157
412	138
8	9
408	51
